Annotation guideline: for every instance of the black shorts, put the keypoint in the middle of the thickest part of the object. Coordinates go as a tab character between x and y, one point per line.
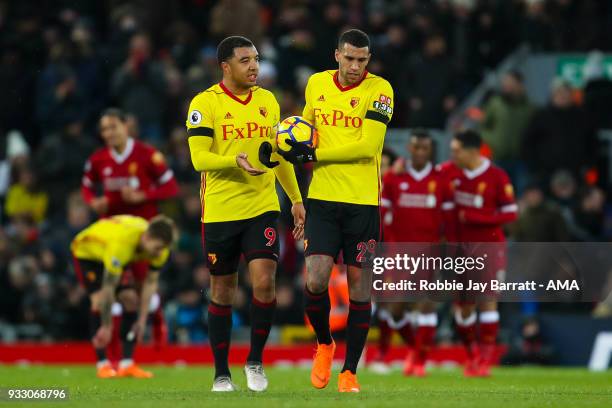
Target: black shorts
91	273
332	227
225	241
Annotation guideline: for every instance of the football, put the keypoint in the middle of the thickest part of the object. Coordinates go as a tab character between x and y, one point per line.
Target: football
296	128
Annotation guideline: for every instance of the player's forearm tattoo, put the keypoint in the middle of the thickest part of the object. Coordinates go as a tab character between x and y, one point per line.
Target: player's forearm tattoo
109	284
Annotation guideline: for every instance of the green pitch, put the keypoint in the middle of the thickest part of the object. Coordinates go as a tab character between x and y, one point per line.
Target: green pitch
189	387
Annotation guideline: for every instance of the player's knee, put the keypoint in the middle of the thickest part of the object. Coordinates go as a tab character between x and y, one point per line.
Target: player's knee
223	289
264	290
359	294
316	284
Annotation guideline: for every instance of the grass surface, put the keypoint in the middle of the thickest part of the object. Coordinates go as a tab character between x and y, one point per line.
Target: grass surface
290	387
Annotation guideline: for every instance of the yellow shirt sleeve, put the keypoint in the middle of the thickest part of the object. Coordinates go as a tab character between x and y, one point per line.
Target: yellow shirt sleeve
285	172
116	257
380	110
200	132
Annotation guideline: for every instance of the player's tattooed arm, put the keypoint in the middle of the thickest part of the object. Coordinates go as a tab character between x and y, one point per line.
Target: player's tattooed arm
109	285
148	290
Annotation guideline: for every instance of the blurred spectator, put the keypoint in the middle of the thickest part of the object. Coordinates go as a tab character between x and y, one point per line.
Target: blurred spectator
179	158
60	231
25	199
236	17
563	189
589	215
558	136
17	282
139	86
16	81
597	92
203	73
429	84
60	160
529	347
14	152
61	98
505	118
540	220
535	27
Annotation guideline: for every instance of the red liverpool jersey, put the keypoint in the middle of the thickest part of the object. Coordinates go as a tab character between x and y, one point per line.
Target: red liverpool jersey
140	166
484	201
413	199
449	173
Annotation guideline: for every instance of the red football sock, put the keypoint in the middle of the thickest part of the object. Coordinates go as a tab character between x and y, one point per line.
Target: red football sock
114	347
160	330
466	328
425	335
384	340
404	328
489	327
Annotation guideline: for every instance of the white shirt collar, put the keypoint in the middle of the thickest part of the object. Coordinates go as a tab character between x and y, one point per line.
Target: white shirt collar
472	174
419	175
120	158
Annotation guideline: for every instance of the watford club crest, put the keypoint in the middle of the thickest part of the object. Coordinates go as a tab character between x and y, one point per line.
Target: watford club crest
263	111
212	258
354	102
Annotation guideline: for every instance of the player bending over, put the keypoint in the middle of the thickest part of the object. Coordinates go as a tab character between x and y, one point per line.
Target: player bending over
101	252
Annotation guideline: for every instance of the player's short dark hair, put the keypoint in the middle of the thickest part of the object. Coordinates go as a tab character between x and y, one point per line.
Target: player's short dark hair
355	37
163	228
390	154
225	49
115	113
469	138
420	133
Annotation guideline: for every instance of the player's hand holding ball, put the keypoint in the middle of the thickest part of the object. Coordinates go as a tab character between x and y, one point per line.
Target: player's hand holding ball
297	140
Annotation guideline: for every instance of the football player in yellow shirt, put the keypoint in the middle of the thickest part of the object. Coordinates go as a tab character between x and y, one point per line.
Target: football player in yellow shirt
350	109
227	125
100	253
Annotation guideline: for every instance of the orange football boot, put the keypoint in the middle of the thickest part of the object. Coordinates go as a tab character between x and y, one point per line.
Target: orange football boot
321	366
134	371
106	371
347	382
